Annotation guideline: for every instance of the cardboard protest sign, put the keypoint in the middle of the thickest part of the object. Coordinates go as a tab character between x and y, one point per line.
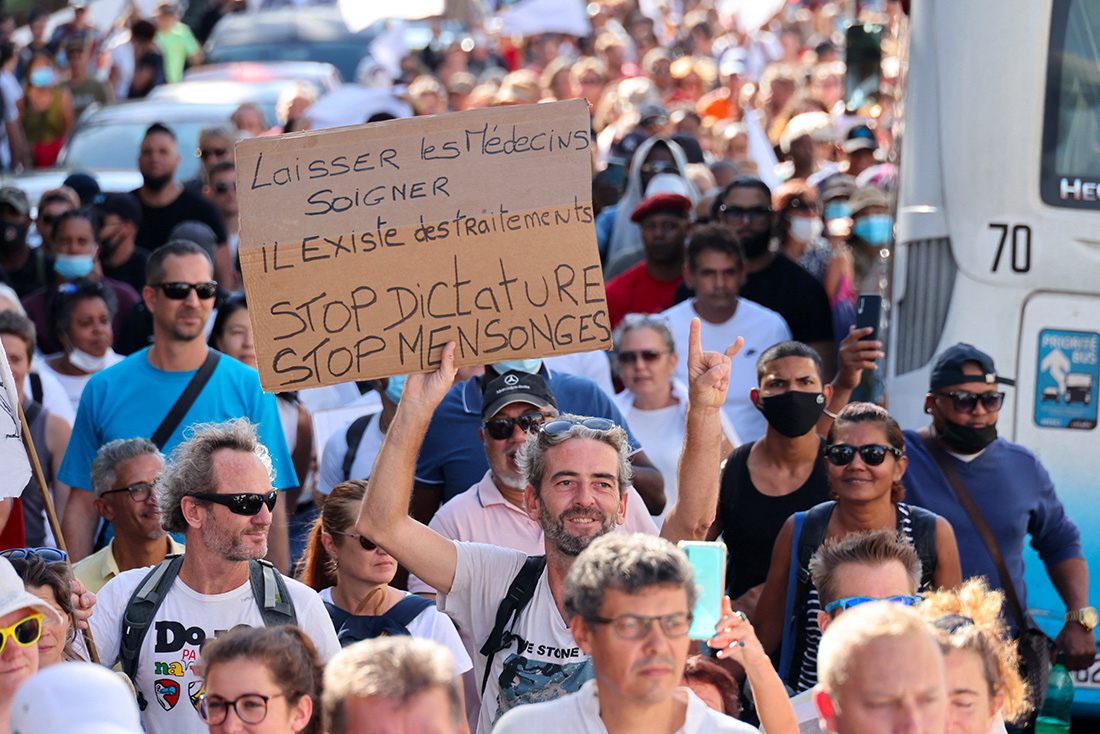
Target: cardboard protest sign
366	249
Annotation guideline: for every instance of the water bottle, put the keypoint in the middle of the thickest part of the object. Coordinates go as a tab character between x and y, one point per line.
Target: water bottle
1054	718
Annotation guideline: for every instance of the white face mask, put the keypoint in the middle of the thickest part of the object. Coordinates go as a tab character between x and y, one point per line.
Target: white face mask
89	363
805	229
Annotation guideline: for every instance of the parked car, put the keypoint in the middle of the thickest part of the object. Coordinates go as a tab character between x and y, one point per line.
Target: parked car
325	77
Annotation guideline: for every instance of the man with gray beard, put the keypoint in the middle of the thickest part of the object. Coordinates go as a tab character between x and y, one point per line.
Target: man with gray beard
576	474
217	491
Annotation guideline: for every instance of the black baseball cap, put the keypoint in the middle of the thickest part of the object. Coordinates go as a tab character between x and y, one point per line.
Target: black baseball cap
947	369
515	387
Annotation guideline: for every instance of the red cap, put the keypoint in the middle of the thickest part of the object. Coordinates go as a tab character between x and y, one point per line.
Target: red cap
675	203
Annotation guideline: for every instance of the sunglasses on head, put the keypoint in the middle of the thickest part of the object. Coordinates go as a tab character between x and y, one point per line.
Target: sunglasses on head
560	425
873	454
50	555
646	355
247	503
180	291
25	632
964	401
503	428
367	545
854	601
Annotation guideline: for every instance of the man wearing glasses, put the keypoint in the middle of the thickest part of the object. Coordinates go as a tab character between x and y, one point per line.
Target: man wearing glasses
1009	485
123	475
134	397
217	491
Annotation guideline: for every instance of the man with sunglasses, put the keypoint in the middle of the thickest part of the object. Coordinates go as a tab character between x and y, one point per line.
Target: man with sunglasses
217	491
1010	486
123	475
134	397
629	600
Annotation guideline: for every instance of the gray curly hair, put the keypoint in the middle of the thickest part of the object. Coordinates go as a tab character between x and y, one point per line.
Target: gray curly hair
532	455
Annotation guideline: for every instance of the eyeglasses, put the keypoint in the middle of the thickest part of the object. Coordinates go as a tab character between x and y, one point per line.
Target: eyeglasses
854	601
364	543
222	188
964	401
251	708
635	627
139	491
205	153
248	503
646	355
180	291
25	632
503	428
50	555
873	454
561	425
736	212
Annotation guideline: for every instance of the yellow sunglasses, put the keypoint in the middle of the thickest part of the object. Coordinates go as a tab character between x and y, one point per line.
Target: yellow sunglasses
25	632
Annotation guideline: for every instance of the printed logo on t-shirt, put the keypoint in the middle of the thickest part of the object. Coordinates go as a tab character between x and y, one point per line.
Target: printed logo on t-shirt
194	692
175	668
524	681
168	693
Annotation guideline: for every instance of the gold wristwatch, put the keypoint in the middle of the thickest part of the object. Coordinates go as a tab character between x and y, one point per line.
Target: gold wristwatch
1087	617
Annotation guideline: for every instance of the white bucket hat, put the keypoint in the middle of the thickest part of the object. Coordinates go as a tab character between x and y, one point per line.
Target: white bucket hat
14	596
75	697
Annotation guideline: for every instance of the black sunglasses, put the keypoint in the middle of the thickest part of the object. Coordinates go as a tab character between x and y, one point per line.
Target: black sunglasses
737	212
205	153
965	402
222	188
249	503
560	425
646	355
503	428
180	291
364	543
873	454
50	555
139	491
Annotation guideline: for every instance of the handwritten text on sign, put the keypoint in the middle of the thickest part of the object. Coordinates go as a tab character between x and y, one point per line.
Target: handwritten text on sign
365	250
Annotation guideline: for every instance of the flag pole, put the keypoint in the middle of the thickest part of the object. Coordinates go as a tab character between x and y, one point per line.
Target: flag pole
51	513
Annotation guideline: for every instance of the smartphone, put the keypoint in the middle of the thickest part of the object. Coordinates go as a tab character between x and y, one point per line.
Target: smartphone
868	313
708	560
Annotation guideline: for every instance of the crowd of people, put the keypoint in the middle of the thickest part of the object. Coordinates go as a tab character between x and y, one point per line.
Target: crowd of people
495	548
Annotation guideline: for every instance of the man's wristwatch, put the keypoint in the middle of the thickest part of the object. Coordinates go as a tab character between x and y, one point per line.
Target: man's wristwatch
1087	617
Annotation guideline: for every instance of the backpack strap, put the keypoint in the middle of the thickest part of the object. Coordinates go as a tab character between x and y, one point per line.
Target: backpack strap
519	595
139	613
813	535
186	399
408	609
923	523
354	436
790	619
32	410
271	595
36	388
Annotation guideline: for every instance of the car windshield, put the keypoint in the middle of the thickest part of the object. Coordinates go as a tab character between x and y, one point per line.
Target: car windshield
116	144
344	56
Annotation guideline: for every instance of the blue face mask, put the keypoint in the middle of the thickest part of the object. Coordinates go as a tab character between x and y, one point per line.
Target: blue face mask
874	229
395	387
837	210
41	77
530	366
73	267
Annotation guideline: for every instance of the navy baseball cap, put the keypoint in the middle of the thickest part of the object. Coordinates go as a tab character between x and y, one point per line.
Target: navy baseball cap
948	368
515	387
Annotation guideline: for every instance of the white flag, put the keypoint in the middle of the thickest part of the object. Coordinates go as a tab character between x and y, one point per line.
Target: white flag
15	467
359	14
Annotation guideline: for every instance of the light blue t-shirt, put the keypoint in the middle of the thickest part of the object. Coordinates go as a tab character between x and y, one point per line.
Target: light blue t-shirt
133	397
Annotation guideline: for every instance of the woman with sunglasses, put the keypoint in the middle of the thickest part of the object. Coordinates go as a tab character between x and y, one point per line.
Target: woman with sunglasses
263	680
984	688
654	402
864	463
49	580
353	577
22	615
80	320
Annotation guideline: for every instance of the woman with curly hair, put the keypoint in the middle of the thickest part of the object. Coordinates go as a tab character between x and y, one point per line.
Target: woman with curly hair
984	687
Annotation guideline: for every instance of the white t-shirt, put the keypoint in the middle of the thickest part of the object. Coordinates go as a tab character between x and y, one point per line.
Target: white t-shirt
543	661
761	328
579	713
171	646
331	472
431	624
12	92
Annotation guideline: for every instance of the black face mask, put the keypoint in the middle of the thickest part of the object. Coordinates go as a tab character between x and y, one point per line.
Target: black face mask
966	440
792	413
12	236
756	246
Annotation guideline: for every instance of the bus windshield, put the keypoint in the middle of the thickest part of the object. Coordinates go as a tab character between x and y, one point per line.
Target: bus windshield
1071	128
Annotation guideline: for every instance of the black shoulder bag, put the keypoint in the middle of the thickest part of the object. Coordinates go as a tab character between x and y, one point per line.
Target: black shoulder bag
171	421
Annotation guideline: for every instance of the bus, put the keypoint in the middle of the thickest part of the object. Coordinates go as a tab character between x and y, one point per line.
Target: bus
998	237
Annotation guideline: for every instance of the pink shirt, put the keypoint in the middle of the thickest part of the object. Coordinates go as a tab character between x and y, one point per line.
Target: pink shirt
482	515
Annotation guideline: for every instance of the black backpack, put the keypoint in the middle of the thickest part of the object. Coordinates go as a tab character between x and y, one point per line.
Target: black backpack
353	437
268	589
351	628
518	596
